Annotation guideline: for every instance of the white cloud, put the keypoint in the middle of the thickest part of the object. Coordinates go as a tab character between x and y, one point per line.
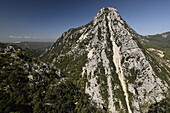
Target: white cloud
13	38
24	37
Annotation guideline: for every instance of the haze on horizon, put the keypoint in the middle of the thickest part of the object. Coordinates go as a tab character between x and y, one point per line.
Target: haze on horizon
42	20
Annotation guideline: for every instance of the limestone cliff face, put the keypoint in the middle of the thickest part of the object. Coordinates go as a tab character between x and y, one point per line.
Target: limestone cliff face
107	61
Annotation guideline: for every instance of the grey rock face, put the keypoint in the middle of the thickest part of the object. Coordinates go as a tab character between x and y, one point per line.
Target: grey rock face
110	64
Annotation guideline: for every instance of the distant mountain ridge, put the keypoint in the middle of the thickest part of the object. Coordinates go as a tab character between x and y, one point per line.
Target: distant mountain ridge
34	48
160	37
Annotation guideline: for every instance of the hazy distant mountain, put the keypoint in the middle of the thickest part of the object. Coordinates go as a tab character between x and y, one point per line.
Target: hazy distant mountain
107	60
34	48
160	37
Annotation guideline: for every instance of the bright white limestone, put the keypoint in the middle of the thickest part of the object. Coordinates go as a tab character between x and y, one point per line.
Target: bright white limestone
83	36
158	52
117	62
30	77
90	54
92	87
165	35
96	55
94	91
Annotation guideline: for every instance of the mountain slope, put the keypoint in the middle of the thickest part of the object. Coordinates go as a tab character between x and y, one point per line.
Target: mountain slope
106	59
28	85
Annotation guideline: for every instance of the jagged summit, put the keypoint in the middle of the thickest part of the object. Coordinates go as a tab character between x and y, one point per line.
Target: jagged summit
107	10
108	14
106	60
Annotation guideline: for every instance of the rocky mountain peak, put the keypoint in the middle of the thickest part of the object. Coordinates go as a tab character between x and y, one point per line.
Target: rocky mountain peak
105	58
107	10
108	14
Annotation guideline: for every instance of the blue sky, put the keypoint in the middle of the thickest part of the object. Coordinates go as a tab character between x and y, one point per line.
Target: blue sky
46	20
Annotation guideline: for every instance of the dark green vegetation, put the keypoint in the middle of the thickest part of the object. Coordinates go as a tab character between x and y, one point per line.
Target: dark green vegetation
160	107
28	85
34	48
2	45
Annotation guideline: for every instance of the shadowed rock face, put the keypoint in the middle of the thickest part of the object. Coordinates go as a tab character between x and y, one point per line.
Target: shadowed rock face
107	61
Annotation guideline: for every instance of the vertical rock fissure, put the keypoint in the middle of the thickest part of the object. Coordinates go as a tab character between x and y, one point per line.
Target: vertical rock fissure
117	62
119	71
